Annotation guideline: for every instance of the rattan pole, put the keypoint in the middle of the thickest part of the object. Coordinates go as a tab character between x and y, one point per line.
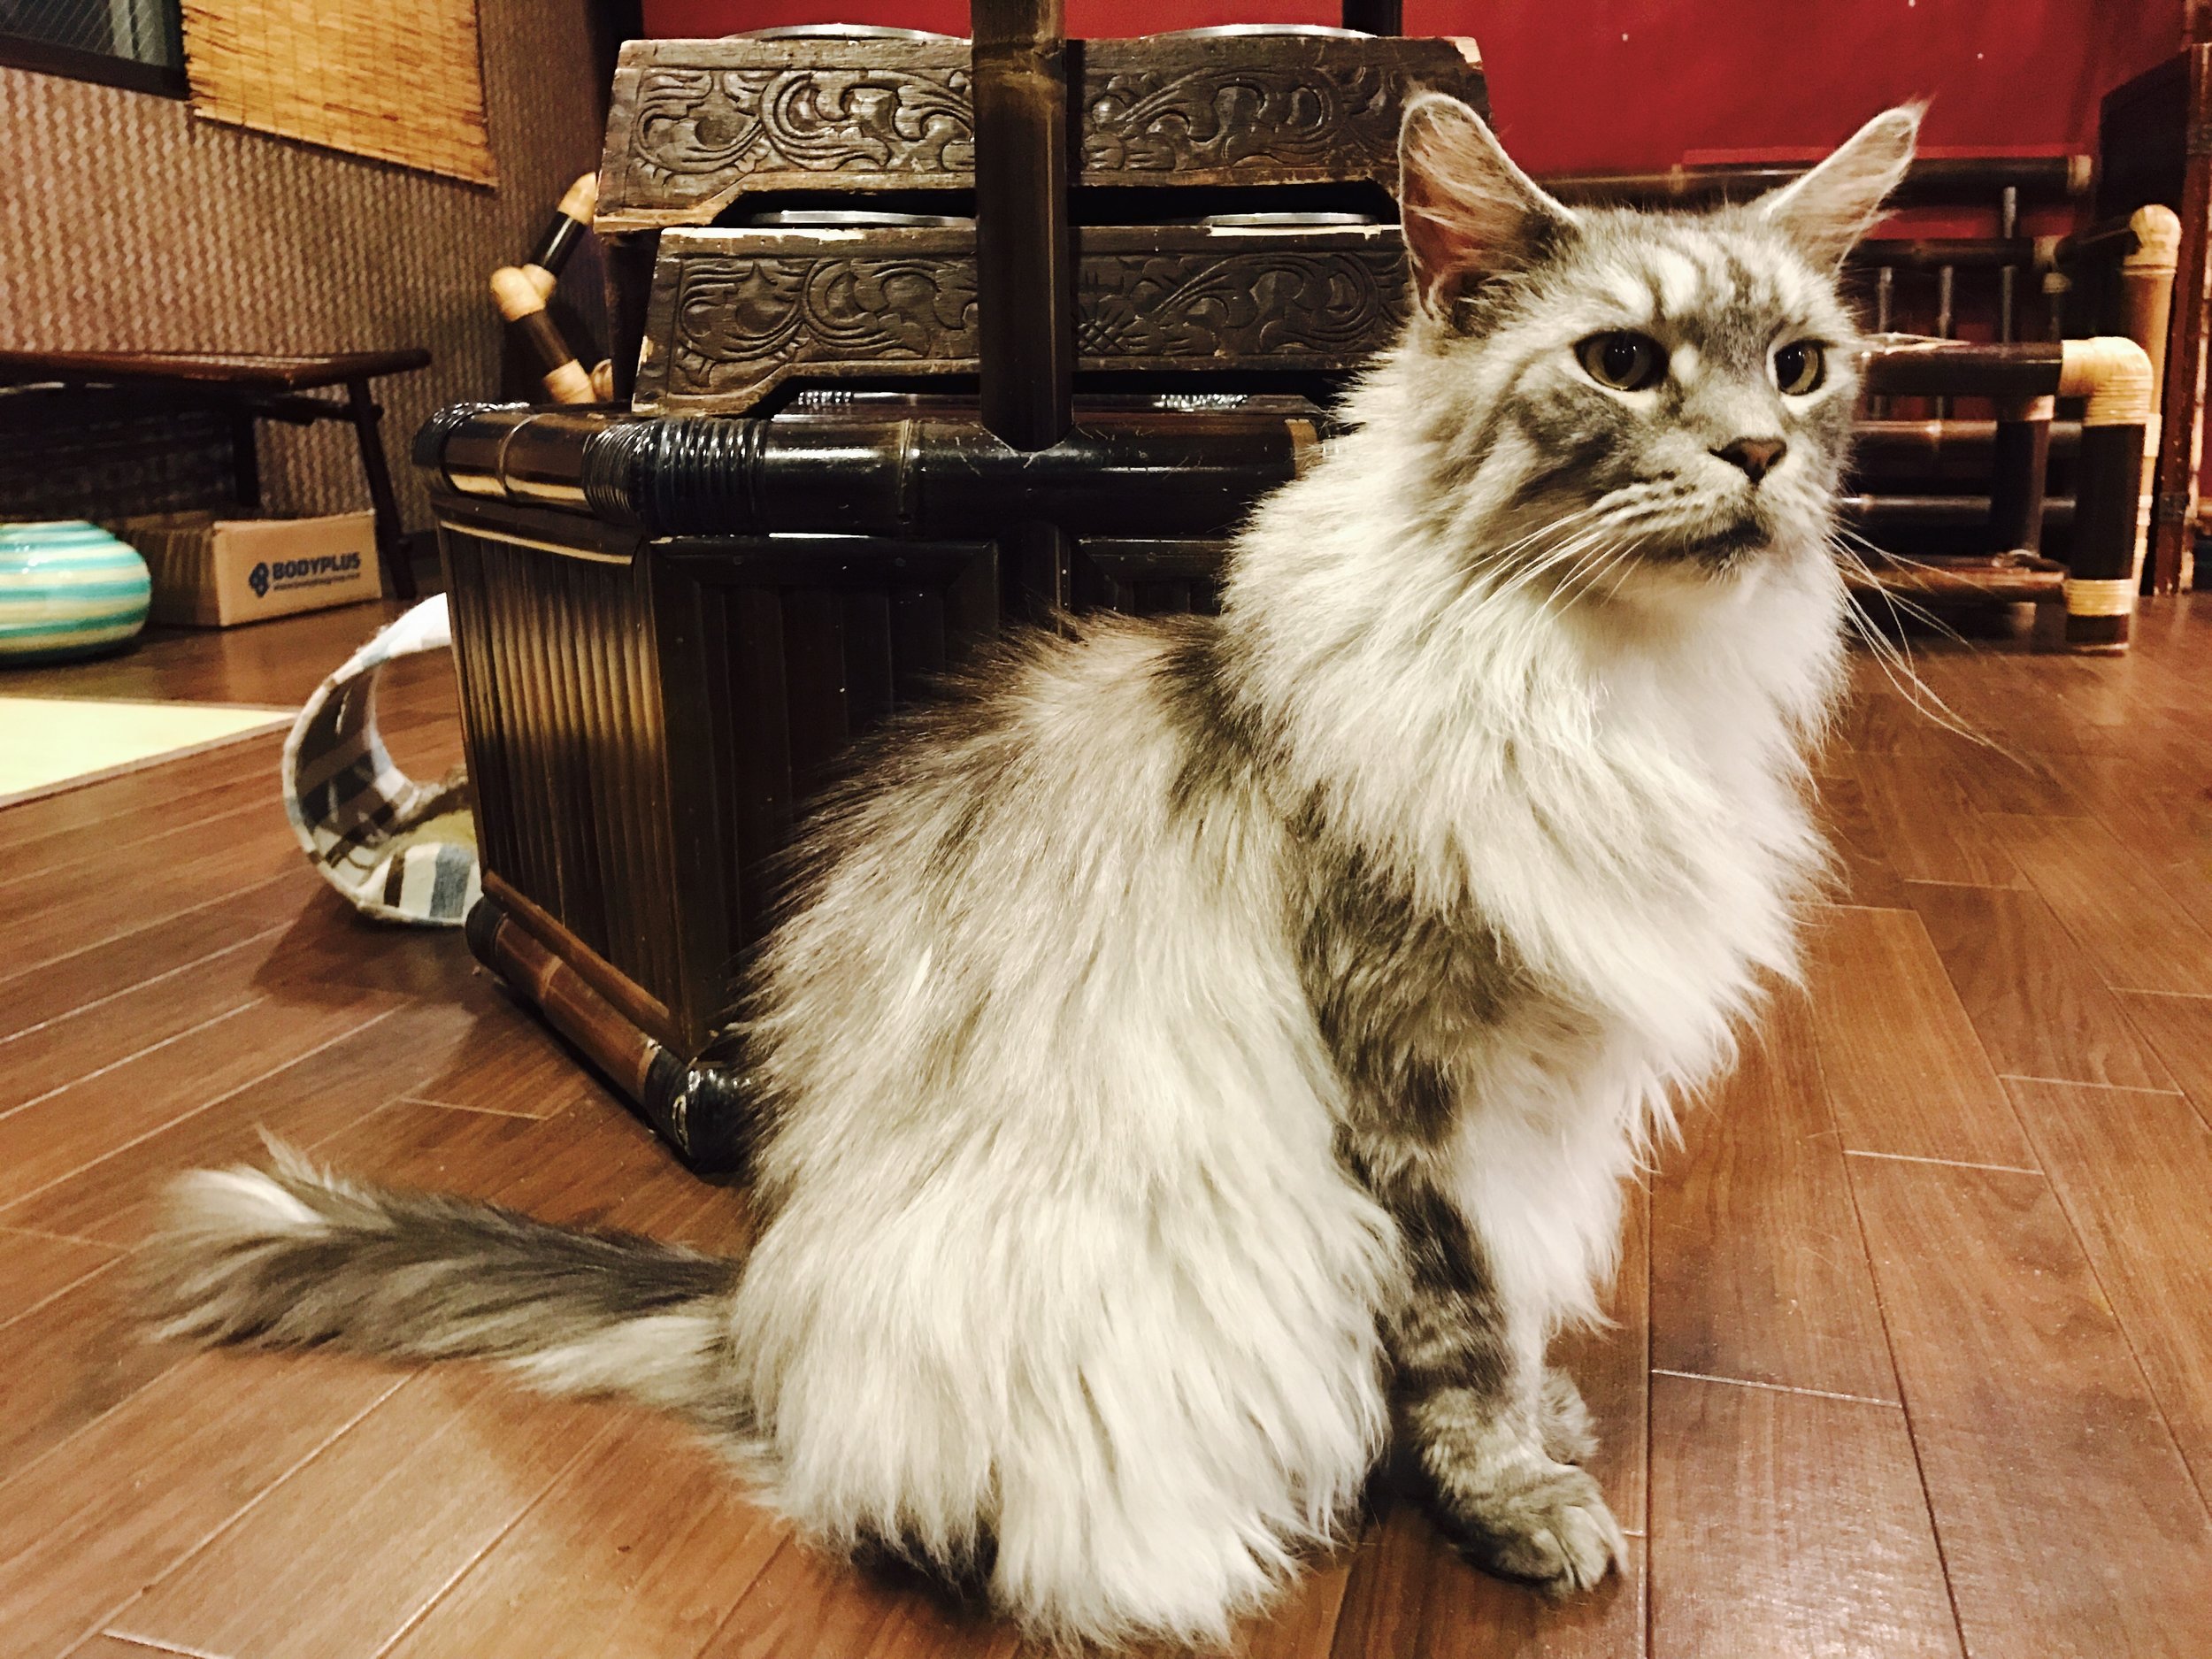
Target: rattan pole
1910	366
571	219
2146	299
1130	473
1885	318
2019	465
2114	376
1024	266
2147	285
1910	448
524	307
1944	325
1932	179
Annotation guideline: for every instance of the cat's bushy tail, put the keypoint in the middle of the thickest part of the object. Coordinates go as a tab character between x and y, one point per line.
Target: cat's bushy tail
293	1257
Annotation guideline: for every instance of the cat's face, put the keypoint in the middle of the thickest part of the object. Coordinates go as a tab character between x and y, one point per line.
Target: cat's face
1612	394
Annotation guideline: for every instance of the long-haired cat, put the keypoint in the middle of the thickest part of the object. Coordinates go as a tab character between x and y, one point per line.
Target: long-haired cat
1212	1049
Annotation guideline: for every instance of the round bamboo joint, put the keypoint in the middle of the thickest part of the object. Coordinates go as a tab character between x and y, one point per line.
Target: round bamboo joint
2099	615
2089	597
582	199
2113	373
569	384
2043	409
602	381
515	293
2157	241
542	280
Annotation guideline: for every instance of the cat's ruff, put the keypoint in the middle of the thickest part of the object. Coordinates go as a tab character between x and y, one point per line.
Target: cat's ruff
1212	1046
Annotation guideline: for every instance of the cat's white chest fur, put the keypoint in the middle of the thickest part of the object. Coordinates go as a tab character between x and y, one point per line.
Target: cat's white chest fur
1650	847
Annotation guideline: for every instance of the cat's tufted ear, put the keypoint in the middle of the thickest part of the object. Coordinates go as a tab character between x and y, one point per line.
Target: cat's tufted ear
1826	211
1468	211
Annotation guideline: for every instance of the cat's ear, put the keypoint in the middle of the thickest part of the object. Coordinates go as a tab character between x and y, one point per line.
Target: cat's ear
1826	211
1468	211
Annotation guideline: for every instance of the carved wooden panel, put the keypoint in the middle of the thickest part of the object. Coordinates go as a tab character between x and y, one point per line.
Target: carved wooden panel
695	124
735	313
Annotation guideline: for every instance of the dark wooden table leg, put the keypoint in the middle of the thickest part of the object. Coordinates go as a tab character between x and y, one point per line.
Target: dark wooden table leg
368	430
245	458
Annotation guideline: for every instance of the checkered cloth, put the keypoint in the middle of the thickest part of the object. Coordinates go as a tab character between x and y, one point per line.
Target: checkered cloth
402	851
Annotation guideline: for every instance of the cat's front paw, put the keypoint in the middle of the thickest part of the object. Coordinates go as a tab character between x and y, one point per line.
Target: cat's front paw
1552	1531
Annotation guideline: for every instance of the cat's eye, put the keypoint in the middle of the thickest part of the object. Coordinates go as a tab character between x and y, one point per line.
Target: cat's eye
1799	367
1623	360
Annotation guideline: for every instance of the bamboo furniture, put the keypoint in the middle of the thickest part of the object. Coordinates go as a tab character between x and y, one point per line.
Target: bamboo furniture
2112	377
2155	146
1959	509
521	292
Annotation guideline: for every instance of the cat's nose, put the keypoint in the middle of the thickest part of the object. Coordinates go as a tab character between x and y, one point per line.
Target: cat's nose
1757	457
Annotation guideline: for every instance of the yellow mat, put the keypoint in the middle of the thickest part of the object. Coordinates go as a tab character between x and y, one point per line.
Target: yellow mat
50	743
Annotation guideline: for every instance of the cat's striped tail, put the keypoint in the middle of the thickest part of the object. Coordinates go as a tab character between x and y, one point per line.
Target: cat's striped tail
293	1257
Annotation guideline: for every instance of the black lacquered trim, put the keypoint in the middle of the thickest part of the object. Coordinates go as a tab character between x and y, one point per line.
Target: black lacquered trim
702	1110
428	451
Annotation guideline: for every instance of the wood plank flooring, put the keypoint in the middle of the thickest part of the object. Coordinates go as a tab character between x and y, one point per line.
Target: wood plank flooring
1912	1344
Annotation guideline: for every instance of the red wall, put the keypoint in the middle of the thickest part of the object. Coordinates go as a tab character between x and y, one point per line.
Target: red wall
1640	83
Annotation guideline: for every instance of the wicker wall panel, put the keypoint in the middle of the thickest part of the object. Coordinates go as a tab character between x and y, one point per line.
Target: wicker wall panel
125	223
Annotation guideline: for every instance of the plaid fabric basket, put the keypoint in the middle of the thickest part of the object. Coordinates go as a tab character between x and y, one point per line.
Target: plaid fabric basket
402	851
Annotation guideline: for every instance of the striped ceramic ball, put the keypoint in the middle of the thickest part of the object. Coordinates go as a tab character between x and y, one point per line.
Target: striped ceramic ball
67	589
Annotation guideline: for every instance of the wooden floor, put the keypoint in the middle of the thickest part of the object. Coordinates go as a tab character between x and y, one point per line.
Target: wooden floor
1914	1350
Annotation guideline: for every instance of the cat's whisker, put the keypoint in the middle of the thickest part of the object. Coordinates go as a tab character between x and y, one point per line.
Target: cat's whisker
1896	664
1522	573
1899	604
1598	523
1839	539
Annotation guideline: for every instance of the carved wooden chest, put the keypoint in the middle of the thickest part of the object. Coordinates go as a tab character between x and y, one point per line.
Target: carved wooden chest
929	336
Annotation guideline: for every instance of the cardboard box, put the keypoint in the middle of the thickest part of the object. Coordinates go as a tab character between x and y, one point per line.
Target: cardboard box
214	572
